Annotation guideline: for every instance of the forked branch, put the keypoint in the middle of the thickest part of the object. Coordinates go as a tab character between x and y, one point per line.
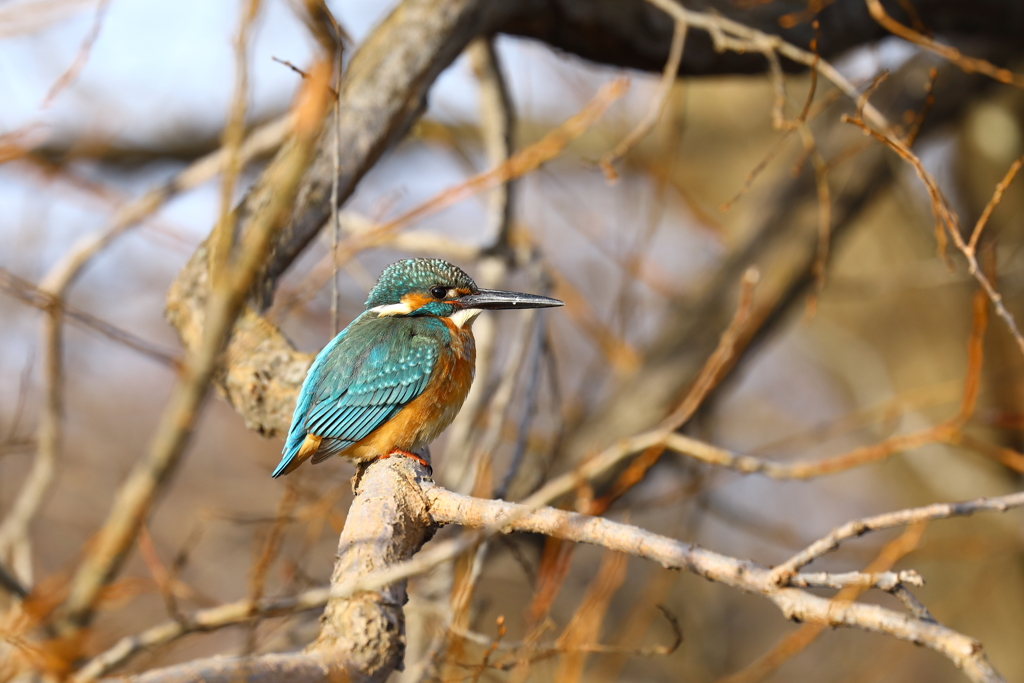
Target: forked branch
397	509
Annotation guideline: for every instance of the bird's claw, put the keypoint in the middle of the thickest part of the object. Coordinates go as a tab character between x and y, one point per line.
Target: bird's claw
407	454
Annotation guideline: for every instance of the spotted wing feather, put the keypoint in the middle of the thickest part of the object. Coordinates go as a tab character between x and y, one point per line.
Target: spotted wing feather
359	381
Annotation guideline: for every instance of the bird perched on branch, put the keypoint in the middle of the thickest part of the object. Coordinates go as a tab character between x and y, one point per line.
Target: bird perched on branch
395	378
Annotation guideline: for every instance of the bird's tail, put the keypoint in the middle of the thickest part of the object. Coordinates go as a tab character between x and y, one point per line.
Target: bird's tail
297	452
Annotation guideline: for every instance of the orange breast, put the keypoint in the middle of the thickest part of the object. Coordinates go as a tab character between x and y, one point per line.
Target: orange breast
430	413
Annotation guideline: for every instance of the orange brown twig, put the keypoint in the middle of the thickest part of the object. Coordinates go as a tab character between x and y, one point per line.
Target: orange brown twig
714	369
943	432
824	216
968	64
584	629
997	196
920	116
946	221
76	66
268	552
223	235
523	162
655	110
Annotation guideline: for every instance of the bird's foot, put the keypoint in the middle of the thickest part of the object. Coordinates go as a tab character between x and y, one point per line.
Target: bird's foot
407	454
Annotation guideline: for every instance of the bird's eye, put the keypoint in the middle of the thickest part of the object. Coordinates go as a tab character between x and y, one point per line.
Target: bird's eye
438	292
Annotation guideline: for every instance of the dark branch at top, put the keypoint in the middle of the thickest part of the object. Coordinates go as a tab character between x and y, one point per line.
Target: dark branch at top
637	35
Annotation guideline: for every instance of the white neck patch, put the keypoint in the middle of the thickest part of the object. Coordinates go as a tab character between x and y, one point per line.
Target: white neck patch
464	315
392	309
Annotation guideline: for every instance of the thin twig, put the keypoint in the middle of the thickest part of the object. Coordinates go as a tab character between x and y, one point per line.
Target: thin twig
732	35
34	296
913	605
824	214
657	107
997	196
721	358
837	536
711	373
76	66
339	50
222	238
946	221
968	64
529	410
268	553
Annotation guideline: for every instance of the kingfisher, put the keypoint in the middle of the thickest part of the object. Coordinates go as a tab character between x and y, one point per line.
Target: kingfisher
396	377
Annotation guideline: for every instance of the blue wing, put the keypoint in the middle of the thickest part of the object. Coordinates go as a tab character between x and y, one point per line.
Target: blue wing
365	375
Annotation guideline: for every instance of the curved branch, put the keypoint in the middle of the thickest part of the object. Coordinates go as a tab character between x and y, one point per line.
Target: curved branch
396	510
887	521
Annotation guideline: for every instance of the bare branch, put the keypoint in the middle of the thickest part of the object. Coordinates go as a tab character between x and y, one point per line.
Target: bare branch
892	519
654	112
733	35
34	296
81	57
968	64
396	509
295	668
137	495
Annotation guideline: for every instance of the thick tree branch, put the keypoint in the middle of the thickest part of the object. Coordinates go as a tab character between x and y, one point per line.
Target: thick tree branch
635	34
396	510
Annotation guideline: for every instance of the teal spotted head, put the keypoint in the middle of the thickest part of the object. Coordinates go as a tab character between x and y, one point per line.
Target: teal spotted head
435	287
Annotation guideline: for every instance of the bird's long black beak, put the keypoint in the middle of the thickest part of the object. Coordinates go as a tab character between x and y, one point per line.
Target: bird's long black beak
490	299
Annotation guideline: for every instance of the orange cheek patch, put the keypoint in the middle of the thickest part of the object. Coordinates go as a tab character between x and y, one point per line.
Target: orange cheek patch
415	300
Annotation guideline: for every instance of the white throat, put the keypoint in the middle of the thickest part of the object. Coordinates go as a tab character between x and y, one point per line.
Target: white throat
464	315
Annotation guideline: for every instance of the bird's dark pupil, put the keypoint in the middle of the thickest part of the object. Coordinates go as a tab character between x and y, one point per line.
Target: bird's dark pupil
438	292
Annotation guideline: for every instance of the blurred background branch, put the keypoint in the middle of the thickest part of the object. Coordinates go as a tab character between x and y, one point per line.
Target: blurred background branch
469	129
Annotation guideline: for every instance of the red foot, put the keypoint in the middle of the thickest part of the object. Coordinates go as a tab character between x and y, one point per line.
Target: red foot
407	454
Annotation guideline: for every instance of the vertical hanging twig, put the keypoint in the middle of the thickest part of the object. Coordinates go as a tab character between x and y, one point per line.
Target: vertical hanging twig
336	162
497	121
